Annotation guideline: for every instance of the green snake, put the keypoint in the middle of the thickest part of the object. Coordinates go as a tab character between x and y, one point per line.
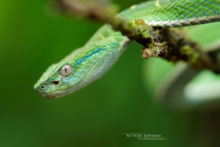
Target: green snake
95	58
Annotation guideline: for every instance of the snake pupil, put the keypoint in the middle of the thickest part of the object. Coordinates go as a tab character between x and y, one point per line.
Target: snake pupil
66	70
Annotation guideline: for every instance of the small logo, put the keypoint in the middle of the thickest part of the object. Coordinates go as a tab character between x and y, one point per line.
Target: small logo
145	136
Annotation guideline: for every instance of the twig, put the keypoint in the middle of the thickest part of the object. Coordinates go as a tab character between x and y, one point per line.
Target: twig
97	10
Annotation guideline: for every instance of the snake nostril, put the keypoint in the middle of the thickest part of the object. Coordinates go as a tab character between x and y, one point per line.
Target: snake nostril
55	82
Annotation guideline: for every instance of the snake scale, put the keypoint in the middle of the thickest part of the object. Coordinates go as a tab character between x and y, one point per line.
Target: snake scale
95	58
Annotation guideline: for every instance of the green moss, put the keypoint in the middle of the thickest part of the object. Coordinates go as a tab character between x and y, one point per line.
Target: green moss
191	54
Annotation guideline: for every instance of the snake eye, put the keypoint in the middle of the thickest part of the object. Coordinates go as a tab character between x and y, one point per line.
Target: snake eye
66	70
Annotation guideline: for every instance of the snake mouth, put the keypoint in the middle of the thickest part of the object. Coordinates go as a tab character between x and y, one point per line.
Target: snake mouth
52	95
60	93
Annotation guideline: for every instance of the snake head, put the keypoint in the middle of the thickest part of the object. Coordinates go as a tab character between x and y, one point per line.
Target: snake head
62	78
53	83
82	67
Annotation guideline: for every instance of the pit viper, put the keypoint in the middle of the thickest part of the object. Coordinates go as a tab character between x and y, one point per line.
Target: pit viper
98	55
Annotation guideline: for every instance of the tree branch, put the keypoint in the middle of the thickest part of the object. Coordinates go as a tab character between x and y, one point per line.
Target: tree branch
170	44
97	10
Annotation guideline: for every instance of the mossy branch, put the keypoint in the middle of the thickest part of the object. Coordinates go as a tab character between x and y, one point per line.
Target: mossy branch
170	44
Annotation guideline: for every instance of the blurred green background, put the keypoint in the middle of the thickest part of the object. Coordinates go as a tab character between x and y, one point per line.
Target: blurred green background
32	37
